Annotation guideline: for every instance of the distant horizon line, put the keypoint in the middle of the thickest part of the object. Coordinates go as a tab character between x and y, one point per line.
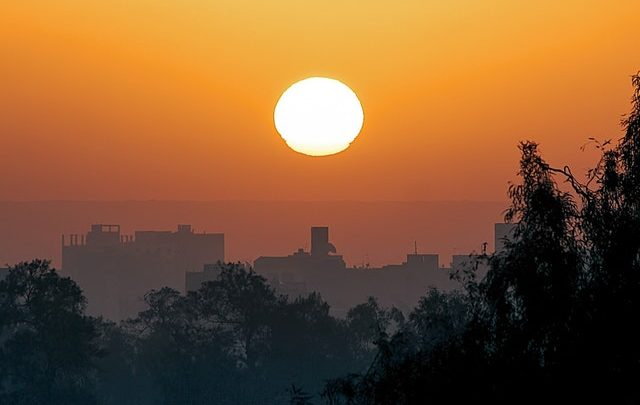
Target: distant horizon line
506	200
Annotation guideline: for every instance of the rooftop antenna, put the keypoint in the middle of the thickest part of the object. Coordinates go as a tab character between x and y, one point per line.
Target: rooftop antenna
415	247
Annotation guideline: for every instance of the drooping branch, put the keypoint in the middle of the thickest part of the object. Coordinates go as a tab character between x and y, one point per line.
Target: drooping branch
582	189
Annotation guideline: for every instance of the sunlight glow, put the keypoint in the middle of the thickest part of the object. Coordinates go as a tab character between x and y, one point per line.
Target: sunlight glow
318	116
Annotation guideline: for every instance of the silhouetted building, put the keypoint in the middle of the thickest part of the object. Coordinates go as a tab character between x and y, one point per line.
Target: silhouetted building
194	279
324	271
467	263
115	270
320	259
502	233
320	246
4	271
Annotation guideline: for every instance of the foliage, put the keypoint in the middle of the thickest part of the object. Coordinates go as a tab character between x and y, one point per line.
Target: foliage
46	342
232	341
555	317
298	396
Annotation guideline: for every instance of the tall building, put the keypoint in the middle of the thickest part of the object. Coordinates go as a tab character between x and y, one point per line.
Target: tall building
115	271
503	233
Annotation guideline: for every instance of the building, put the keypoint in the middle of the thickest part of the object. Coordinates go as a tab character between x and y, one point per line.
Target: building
503	233
4	271
115	271
461	265
321	259
324	271
195	279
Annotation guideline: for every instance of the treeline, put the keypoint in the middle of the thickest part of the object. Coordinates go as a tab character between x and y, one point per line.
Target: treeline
234	341
556	319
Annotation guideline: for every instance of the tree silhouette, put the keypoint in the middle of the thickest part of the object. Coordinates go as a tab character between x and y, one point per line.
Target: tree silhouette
47	344
298	396
243	302
554	318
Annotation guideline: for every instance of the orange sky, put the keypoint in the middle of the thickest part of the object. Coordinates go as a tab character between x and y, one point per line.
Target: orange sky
167	99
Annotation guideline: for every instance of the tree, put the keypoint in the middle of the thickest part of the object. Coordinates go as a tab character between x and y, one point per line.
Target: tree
439	317
298	396
184	353
371	324
243	302
118	378
46	342
555	317
303	333
611	228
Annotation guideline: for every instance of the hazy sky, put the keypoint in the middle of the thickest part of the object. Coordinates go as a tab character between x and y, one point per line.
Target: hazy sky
168	99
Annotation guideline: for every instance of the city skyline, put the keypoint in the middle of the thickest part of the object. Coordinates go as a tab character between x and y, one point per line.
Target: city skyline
116	270
375	233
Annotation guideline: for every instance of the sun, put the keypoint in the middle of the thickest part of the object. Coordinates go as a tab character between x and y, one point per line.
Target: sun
318	116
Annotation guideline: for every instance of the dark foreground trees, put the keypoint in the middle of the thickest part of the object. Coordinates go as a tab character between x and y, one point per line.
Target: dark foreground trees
234	341
46	342
556	317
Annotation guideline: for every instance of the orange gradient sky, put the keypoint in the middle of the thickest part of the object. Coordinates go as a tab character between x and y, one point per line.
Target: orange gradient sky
173	100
